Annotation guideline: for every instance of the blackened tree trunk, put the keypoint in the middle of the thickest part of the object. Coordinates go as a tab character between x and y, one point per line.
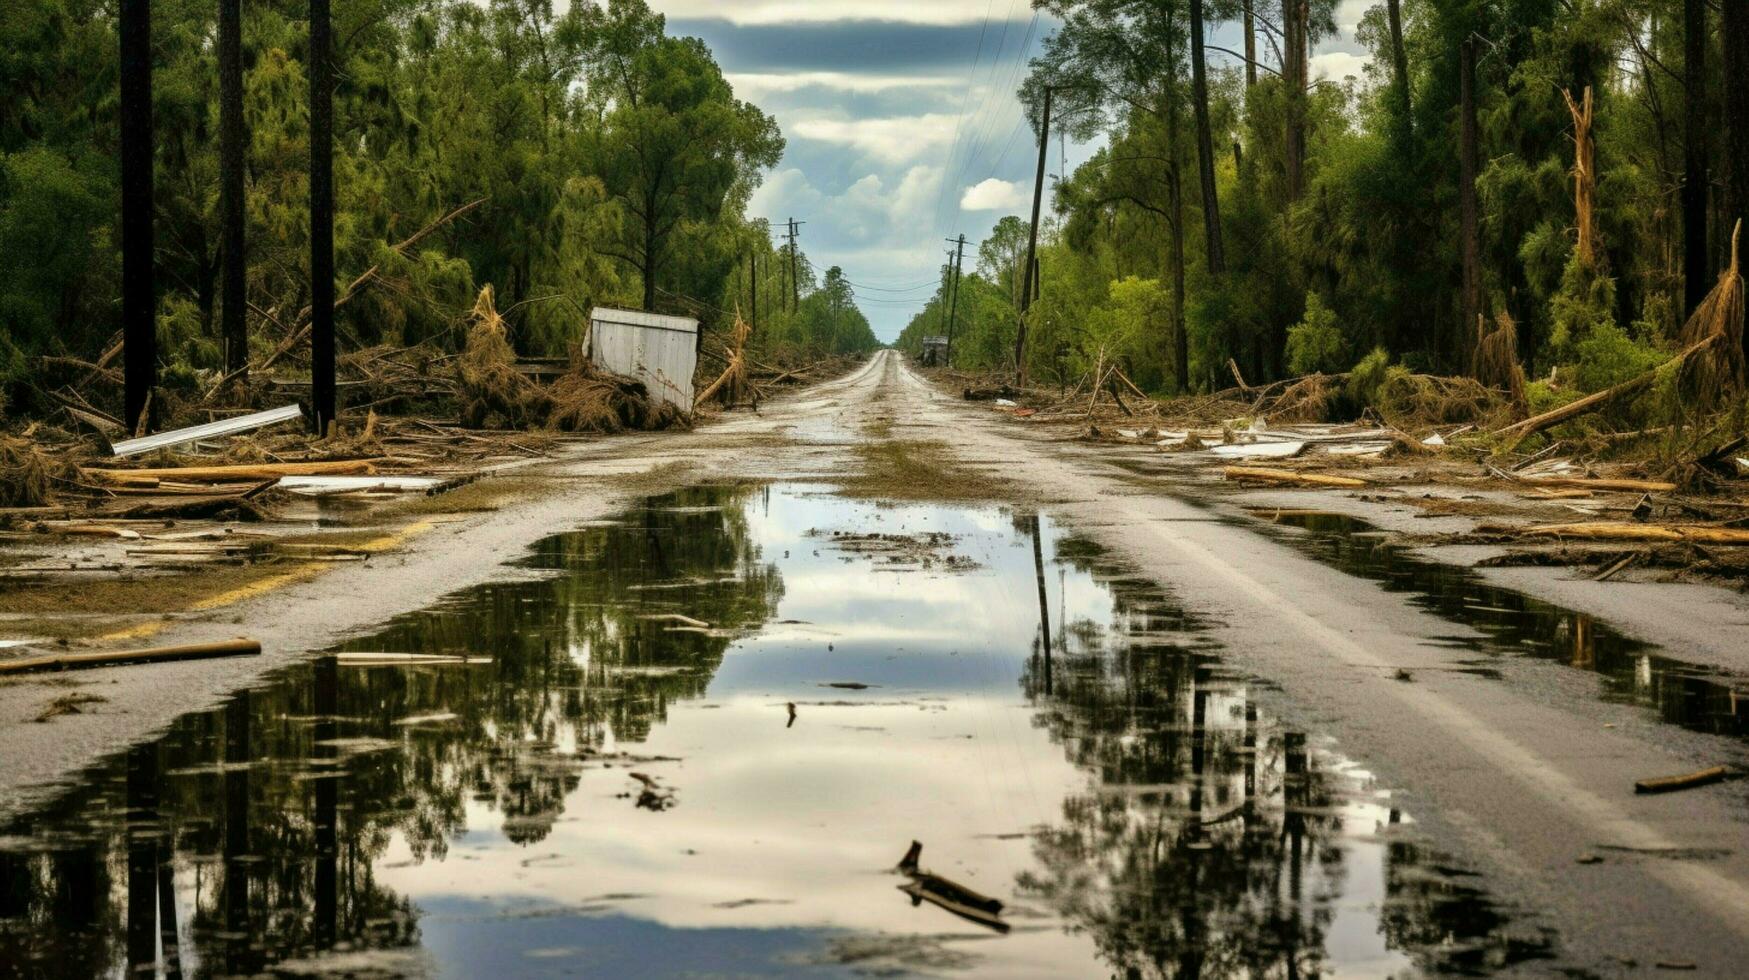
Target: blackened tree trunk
233	331
1734	25
1205	151
1400	60
1469	232
138	300
322	392
1696	266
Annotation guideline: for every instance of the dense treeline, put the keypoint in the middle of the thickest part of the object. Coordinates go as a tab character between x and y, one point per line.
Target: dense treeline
1297	225
612	164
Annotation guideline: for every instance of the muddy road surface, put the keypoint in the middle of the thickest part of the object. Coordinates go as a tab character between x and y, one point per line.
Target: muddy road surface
679	705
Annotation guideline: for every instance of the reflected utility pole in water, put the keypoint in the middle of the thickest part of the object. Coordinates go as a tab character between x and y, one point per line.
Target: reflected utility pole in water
236	845
142	824
327	792
1044	609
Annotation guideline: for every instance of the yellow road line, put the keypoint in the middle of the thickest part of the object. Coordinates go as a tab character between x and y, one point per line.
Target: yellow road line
261	587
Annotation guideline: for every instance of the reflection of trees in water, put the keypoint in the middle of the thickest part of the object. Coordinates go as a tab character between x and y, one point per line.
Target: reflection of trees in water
277	806
1208	841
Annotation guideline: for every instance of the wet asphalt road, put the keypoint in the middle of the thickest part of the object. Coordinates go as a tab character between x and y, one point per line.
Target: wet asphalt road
1527	775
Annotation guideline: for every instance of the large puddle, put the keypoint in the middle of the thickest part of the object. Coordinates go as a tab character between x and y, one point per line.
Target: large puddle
1509	622
697	741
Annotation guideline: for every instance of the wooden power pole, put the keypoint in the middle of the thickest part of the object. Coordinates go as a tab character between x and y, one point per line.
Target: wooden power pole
1038	193
138	295
233	330
322	393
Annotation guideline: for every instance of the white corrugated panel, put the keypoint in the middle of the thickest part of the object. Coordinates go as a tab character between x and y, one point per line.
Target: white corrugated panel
661	351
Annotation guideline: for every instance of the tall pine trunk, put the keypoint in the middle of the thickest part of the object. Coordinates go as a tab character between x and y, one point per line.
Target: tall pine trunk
1250	48
1205	152
1697	269
1734	25
1175	194
1400	60
1294	14
233	331
138	289
1468	216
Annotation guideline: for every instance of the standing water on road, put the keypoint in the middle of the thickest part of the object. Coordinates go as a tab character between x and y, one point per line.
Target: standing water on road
698	740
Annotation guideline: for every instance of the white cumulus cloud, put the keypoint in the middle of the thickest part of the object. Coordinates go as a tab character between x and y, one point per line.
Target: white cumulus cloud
994	194
743	12
898	139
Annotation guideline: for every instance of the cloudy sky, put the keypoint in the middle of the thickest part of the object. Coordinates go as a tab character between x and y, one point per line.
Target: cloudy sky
902	125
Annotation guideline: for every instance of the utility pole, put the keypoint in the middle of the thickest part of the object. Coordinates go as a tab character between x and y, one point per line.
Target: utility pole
753	289
321	218
1038	192
953	309
138	303
795	287
233	331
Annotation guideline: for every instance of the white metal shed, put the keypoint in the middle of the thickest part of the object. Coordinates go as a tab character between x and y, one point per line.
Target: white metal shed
661	351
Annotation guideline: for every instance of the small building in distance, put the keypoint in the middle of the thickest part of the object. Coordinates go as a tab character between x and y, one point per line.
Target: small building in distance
934	352
661	351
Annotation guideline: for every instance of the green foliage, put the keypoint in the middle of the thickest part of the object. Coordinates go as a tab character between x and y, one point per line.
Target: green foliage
611	161
1584	302
1368	379
1607	356
1316	342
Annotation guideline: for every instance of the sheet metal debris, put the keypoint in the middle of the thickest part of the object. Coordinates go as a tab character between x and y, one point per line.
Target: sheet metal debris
210	430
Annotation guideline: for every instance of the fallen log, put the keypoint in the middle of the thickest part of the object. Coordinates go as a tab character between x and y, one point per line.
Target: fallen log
1621	531
1598	483
79	661
1670	784
1266	475
1518	431
240	471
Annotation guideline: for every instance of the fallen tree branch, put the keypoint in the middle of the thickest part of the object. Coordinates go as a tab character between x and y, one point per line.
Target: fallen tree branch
75	661
1519	431
1267	475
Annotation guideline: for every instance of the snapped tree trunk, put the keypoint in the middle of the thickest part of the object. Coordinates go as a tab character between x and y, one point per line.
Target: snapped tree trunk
1471	244
1205	151
233	330
1696	269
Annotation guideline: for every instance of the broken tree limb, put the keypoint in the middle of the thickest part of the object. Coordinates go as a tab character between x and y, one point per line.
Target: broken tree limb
1266	475
240	471
1518	431
1669	784
301	328
1619	531
1594	483
78	661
